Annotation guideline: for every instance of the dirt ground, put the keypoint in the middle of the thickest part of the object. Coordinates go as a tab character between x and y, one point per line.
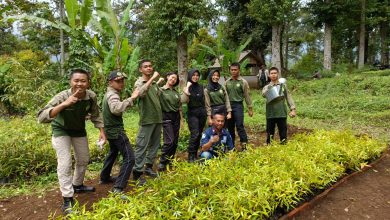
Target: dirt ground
359	198
365	195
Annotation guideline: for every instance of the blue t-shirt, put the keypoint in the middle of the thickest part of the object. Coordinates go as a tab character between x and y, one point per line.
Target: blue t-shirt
224	144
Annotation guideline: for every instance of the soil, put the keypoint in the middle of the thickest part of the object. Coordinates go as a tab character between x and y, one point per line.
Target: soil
359	198
362	195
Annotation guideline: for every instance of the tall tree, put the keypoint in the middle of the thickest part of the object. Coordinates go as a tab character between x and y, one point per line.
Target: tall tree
62	40
274	13
325	14
177	20
240	26
383	12
362	34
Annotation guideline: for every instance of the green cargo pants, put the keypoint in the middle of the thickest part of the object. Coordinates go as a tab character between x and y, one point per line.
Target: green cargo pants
147	144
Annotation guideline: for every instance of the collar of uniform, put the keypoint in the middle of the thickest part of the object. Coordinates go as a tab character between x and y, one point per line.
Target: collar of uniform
86	97
110	89
238	78
213	130
165	87
144	81
274	84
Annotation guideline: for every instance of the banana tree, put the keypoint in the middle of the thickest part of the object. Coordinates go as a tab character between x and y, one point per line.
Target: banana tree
224	56
112	52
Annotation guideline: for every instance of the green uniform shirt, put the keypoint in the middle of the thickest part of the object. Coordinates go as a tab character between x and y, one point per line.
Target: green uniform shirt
278	108
113	108
238	90
71	120
216	97
169	100
149	103
219	97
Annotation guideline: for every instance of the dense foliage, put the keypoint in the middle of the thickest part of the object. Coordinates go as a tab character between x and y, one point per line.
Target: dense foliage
250	185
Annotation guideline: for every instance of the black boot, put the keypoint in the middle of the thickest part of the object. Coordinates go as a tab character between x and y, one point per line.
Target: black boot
161	167
243	146
137	177
191	157
149	171
81	188
67	206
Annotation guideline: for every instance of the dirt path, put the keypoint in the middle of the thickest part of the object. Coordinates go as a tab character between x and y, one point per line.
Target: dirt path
49	205
365	195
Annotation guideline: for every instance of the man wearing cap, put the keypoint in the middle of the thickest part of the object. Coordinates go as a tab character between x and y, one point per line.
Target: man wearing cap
113	109
150	121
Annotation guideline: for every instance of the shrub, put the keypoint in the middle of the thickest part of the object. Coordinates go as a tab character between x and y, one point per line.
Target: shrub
26	81
26	151
251	185
306	67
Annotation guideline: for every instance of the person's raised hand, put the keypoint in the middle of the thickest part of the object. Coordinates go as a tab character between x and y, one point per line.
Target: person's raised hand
155	75
214	139
71	100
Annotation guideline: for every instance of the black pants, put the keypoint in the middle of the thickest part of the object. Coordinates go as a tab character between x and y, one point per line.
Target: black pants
282	127
122	145
237	121
171	128
196	122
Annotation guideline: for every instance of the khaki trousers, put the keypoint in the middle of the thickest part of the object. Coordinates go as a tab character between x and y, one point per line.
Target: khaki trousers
62	146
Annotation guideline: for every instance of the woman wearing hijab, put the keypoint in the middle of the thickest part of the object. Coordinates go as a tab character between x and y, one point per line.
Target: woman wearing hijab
193	94
216	97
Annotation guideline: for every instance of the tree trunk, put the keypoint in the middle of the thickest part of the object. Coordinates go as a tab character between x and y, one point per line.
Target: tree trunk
384	43
362	35
182	58
62	44
276	61
328	47
286	37
260	55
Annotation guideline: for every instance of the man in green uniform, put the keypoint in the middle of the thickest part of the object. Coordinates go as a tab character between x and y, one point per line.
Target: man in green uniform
276	110
238	91
113	108
148	138
67	113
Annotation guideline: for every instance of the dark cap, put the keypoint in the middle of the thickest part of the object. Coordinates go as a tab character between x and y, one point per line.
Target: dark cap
116	74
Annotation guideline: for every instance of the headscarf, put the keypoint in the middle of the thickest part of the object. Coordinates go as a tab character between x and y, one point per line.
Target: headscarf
196	90
213	86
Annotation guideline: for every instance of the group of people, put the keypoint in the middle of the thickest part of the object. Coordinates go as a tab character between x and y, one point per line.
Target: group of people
160	111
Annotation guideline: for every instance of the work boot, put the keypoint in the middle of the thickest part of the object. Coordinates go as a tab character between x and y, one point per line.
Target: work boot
161	167
112	179
67	206
243	146
81	188
138	178
119	191
191	157
149	171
